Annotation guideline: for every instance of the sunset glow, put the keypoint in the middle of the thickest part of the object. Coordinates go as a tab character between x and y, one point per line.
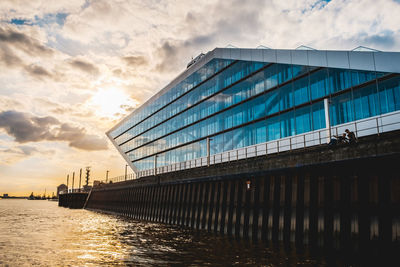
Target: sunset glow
110	102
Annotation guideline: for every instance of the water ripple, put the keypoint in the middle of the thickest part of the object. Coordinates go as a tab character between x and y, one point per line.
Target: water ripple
42	234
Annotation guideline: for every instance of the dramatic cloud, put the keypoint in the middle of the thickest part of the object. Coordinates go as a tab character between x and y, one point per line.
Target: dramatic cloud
85	66
135	61
23	42
27	128
37	71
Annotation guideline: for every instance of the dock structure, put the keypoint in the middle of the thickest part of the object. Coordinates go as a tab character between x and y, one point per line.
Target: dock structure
340	197
72	200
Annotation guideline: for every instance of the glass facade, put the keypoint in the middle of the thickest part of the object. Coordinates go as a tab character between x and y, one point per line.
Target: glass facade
243	103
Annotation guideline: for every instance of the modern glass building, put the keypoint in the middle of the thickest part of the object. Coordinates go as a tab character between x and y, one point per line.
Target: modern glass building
236	103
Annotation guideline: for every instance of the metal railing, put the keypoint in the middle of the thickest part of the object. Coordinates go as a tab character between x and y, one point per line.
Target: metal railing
74	190
364	127
120	178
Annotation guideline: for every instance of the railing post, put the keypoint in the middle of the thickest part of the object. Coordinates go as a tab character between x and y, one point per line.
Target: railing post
355	126
304	141
155	165
277	145
208	152
255	149
290	143
245	152
377	126
327	118
319	136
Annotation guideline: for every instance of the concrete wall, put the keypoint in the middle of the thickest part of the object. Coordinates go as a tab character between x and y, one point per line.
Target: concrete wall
334	197
72	200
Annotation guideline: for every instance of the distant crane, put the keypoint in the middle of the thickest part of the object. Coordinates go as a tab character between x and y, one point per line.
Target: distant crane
87	175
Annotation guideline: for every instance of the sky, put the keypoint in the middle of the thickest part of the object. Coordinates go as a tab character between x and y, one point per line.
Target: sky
71	69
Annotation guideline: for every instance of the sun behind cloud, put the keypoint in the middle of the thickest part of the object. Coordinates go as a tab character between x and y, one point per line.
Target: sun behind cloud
111	102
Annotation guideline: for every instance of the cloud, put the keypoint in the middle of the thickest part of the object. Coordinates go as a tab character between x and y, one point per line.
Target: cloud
7	57
9	103
23	42
25	128
244	23
18	48
135	61
85	66
37	71
17	153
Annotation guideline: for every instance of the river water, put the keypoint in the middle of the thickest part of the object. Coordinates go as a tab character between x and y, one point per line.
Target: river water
42	234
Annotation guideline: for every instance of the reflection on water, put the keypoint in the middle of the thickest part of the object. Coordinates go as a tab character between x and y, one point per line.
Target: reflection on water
41	233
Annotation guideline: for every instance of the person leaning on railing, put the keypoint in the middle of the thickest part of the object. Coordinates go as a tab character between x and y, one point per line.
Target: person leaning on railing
351	137
338	139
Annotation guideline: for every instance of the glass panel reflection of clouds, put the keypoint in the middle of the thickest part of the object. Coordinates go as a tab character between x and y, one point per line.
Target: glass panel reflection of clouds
249	103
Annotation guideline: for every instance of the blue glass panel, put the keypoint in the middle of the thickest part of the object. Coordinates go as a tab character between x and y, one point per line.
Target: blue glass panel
217	144
228	119
272	102
299	70
238	138
341	109
389	95
359	77
366	102
260	129
284	72
303	120
271	77
273	128
228	141
301	93
318	115
237	116
258	106
339	79
286	97
287	124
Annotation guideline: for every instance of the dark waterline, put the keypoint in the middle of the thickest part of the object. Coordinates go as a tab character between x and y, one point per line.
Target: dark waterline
41	233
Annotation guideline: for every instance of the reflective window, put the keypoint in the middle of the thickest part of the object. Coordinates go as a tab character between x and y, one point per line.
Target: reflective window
389	95
366	102
341	109
286	97
303	120
273	128
256	94
272	102
301	91
339	79
318	115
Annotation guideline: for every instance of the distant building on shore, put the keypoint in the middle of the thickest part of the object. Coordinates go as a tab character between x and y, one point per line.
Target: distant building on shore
61	188
5	195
